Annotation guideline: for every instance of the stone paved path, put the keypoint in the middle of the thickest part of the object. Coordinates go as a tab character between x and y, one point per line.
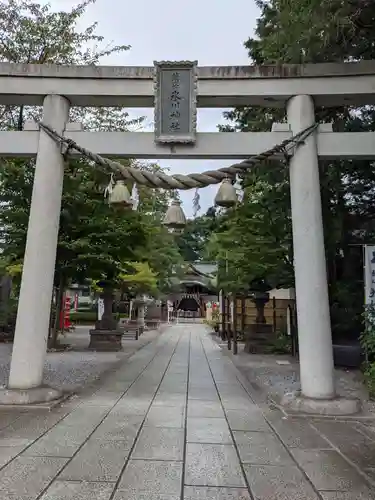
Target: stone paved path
173	423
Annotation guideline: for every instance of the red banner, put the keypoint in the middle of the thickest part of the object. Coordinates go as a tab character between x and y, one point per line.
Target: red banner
65	314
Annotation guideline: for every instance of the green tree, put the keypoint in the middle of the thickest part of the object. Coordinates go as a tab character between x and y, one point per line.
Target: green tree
192	242
312	31
161	253
253	241
31	33
94	239
138	278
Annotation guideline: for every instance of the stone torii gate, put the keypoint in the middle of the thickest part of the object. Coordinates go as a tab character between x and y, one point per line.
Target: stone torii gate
298	88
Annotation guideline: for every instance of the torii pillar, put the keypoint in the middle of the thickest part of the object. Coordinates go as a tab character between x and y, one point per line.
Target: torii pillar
34	307
317	393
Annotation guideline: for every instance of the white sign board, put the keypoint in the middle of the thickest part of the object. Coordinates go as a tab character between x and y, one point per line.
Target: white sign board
175	101
369	267
100	309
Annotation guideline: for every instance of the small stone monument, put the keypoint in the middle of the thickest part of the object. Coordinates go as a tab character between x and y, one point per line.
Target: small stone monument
106	336
259	334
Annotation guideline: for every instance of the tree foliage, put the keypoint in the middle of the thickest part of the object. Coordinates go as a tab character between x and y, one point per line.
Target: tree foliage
31	33
139	278
192	242
307	31
94	239
253	241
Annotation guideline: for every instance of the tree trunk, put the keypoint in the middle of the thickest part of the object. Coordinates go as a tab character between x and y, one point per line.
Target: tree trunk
59	308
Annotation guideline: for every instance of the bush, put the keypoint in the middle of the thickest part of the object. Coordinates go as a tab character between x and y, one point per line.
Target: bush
368	344
84	317
370	379
8	315
212	324
282	344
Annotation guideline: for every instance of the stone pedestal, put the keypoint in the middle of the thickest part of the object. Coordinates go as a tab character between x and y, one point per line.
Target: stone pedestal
34	395
153	324
105	340
295	402
258	337
141	314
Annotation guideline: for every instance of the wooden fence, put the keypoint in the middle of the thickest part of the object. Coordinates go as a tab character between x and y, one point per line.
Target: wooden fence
275	312
279	313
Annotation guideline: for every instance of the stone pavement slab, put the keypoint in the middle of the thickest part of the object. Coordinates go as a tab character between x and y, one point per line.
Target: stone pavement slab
208	409
26	477
156	443
327	470
67	490
97	461
166	416
281	483
176	421
208	430
213	465
260	448
60	441
345	495
7	453
192	493
151	477
250	420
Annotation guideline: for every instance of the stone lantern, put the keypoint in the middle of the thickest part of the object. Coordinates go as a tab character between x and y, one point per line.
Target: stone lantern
140	303
259	335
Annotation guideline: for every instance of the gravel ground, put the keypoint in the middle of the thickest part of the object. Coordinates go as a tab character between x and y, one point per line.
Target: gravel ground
73	369
274	375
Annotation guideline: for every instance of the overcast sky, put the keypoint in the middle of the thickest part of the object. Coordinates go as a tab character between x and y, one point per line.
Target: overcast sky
210	31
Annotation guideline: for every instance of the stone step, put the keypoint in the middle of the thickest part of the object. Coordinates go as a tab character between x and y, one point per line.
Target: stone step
130	336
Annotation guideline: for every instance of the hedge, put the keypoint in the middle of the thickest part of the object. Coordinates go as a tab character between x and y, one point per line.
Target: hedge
89	316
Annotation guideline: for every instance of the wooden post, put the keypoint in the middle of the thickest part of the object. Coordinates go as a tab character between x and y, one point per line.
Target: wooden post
243	313
274	314
228	322
235	344
222	305
294	332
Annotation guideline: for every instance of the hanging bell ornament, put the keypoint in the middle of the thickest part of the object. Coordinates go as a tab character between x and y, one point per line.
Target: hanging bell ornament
120	196
226	196
175	217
